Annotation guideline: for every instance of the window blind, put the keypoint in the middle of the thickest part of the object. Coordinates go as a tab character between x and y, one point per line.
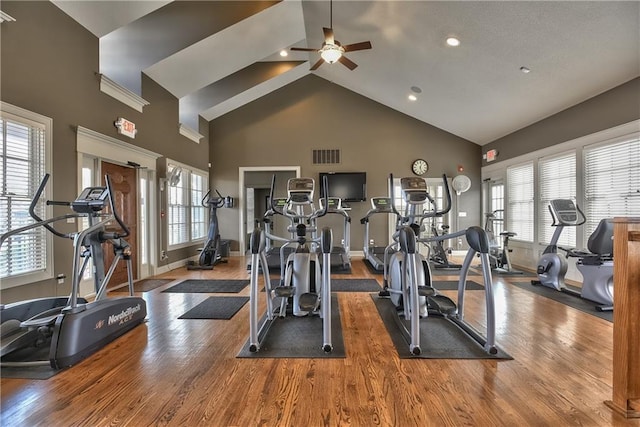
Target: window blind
22	164
556	180
611	181
520	212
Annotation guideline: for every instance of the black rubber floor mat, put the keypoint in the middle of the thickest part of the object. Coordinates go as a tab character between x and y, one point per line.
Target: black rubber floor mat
299	337
439	337
208	286
216	308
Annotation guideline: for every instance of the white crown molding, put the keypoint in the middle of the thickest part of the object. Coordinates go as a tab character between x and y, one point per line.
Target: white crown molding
99	145
190	133
4	17
122	94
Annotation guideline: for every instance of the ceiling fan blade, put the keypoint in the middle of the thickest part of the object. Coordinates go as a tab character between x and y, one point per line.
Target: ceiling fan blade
328	35
317	64
347	62
303	49
357	46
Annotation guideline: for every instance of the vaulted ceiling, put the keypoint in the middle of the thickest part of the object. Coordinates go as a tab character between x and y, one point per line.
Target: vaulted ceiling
216	56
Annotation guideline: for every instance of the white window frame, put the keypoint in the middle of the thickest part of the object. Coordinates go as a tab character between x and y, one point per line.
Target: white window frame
185	177
14	113
527	253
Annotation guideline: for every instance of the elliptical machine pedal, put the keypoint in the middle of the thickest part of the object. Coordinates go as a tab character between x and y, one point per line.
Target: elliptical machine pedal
442	304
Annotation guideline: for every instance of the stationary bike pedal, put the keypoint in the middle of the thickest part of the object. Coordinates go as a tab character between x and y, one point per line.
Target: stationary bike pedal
284	291
426	291
308	301
442	304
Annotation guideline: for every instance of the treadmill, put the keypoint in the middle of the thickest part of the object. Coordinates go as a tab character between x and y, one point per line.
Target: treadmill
374	255
340	258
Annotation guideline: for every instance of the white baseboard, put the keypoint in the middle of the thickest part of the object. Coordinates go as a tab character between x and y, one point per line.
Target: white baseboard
176	264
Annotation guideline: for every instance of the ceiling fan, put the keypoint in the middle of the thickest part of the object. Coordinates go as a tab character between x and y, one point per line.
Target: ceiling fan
331	50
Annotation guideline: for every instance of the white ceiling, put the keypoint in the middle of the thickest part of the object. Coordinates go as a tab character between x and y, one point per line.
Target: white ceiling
575	50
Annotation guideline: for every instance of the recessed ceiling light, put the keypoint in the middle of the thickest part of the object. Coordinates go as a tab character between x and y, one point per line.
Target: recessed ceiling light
284	53
525	70
412	97
416	89
452	41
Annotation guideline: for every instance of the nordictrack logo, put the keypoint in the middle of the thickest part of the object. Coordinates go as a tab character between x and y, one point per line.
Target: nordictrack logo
124	316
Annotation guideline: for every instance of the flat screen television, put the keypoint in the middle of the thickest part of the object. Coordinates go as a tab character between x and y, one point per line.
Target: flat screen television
349	186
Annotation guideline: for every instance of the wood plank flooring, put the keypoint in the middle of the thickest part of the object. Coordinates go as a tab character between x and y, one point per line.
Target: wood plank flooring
185	373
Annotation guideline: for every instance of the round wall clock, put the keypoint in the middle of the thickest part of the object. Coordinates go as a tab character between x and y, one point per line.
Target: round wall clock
420	167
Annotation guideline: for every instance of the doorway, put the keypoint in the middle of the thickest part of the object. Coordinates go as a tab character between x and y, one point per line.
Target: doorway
97	154
125	190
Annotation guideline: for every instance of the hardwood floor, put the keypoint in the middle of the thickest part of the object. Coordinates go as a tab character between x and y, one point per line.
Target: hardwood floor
184	372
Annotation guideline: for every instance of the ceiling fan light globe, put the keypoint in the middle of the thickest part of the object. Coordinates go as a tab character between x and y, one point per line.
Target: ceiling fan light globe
331	53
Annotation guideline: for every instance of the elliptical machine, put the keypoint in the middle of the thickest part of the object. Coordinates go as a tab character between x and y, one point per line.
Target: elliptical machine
72	327
499	256
595	266
305	281
210	254
408	282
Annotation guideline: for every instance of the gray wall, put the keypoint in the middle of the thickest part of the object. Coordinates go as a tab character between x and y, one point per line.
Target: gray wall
49	63
282	129
612	108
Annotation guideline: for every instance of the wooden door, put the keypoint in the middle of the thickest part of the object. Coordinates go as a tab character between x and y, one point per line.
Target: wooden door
125	190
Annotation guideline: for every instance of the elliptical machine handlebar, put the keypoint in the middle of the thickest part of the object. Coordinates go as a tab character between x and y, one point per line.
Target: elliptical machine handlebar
217	202
114	212
34	202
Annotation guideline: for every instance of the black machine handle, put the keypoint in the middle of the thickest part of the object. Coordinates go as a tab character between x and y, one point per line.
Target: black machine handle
393	196
448	196
271	198
34	202
325	198
206	200
112	204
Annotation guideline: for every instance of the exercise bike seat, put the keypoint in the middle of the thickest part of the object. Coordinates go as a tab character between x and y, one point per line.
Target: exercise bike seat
601	240
508	234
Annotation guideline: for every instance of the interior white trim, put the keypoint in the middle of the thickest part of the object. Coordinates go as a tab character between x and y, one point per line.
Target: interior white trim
241	201
190	133
5	17
106	148
121	93
13	112
114	149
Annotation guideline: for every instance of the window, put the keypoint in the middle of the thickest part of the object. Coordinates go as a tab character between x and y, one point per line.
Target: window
186	215
611	181
520	211
556	180
24	150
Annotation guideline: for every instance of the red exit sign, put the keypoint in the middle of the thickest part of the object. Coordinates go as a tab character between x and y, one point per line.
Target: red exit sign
125	127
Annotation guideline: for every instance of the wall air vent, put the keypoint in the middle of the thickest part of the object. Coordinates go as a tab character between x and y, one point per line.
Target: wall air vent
326	157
